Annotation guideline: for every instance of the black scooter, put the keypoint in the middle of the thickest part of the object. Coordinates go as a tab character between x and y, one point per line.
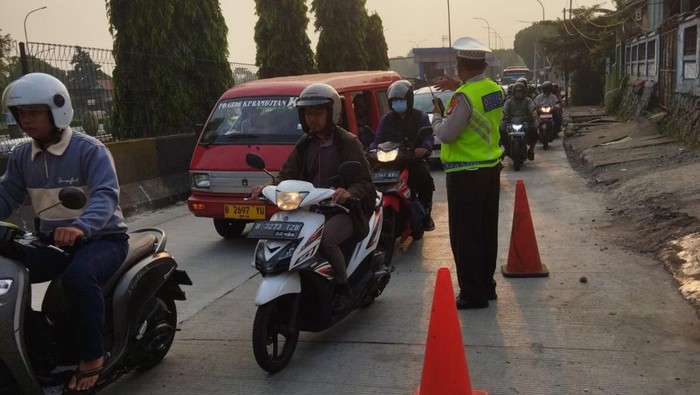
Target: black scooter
140	323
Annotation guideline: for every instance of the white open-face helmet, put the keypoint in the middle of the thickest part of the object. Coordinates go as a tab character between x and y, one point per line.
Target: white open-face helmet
39	88
319	95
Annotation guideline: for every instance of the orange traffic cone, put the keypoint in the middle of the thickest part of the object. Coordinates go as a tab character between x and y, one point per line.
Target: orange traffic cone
445	369
523	255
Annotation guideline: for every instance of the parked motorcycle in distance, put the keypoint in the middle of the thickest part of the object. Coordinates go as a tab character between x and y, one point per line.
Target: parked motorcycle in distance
37	348
403	213
297	289
547	128
516	128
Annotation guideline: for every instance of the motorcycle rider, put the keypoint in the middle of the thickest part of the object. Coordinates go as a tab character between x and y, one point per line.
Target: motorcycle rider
316	158
401	124
520	106
548	98
55	158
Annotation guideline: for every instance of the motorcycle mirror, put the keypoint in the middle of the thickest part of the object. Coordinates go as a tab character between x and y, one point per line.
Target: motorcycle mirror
255	161
72	198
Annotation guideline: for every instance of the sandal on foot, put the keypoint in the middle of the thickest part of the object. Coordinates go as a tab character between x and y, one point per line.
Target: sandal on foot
82	374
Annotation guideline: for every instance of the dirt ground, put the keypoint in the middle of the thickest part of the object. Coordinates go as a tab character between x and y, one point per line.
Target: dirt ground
652	185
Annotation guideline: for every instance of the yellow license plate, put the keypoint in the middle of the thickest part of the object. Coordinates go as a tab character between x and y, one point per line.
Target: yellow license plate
244	211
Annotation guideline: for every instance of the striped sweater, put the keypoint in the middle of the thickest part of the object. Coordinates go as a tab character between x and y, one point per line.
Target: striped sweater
77	160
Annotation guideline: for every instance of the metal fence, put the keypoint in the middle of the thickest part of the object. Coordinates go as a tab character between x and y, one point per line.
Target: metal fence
87	73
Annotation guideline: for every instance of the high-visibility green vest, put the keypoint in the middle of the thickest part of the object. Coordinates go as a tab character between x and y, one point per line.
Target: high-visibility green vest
478	144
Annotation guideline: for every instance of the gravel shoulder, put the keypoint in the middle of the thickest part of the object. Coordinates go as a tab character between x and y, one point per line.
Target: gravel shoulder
651	183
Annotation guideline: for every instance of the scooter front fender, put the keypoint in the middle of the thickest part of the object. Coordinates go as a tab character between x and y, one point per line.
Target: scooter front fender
274	286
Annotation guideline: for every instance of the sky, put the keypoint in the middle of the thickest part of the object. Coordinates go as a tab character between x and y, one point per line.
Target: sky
407	23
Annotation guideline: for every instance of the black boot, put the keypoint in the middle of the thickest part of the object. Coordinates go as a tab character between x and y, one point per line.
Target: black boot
531	153
343	296
428	223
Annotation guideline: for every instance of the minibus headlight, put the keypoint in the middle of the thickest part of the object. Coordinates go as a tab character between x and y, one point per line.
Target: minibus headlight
5	285
289	200
387	156
201	180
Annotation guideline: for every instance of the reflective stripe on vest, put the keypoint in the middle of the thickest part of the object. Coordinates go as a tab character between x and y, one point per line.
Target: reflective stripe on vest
478	144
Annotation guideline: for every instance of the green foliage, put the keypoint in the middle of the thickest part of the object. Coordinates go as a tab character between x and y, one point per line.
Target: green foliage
342	26
375	44
90	123
85	71
171	64
283	48
581	47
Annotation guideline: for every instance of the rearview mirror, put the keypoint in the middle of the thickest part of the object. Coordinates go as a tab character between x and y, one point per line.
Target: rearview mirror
255	161
72	198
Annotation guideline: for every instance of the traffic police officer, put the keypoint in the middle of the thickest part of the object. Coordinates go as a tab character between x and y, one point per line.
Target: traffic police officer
471	159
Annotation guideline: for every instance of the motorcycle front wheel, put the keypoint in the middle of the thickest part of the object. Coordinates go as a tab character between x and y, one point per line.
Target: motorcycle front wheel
388	235
275	333
517	154
544	137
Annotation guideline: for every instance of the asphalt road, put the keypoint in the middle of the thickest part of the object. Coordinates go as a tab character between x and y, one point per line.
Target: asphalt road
624	331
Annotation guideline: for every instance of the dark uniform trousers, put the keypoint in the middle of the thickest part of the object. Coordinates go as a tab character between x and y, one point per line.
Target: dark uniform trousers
472	198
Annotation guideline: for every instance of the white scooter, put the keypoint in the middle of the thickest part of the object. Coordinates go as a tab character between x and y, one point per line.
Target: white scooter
297	289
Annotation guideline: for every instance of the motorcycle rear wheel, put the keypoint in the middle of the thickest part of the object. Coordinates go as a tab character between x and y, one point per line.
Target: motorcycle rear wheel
165	323
275	334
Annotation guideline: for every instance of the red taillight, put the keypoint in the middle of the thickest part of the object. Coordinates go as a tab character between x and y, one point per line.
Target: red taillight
198	206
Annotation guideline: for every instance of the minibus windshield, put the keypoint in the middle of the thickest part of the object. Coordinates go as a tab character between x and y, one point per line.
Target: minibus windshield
254	120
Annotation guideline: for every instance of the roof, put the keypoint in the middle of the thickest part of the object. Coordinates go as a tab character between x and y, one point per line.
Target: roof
293	85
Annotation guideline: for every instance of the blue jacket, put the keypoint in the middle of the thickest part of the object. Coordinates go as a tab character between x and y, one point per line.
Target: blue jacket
77	160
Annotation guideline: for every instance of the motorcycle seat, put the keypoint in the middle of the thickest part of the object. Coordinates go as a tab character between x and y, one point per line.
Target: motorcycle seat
140	245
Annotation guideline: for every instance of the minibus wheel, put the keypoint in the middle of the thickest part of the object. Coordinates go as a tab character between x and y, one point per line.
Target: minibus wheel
229	229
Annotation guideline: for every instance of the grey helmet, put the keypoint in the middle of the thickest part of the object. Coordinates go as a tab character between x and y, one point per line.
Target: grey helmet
319	95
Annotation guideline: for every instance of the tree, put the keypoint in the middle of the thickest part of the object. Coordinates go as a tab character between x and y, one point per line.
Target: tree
375	44
6	60
582	45
342	26
283	48
85	71
529	38
171	64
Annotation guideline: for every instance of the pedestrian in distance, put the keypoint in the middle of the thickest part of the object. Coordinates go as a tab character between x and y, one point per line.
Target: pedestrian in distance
55	158
470	156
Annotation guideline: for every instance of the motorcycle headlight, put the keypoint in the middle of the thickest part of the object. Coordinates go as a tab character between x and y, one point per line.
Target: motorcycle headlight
289	200
517	127
201	180
546	110
387	156
5	285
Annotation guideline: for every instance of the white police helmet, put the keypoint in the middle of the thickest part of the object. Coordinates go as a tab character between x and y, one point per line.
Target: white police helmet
40	88
470	48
